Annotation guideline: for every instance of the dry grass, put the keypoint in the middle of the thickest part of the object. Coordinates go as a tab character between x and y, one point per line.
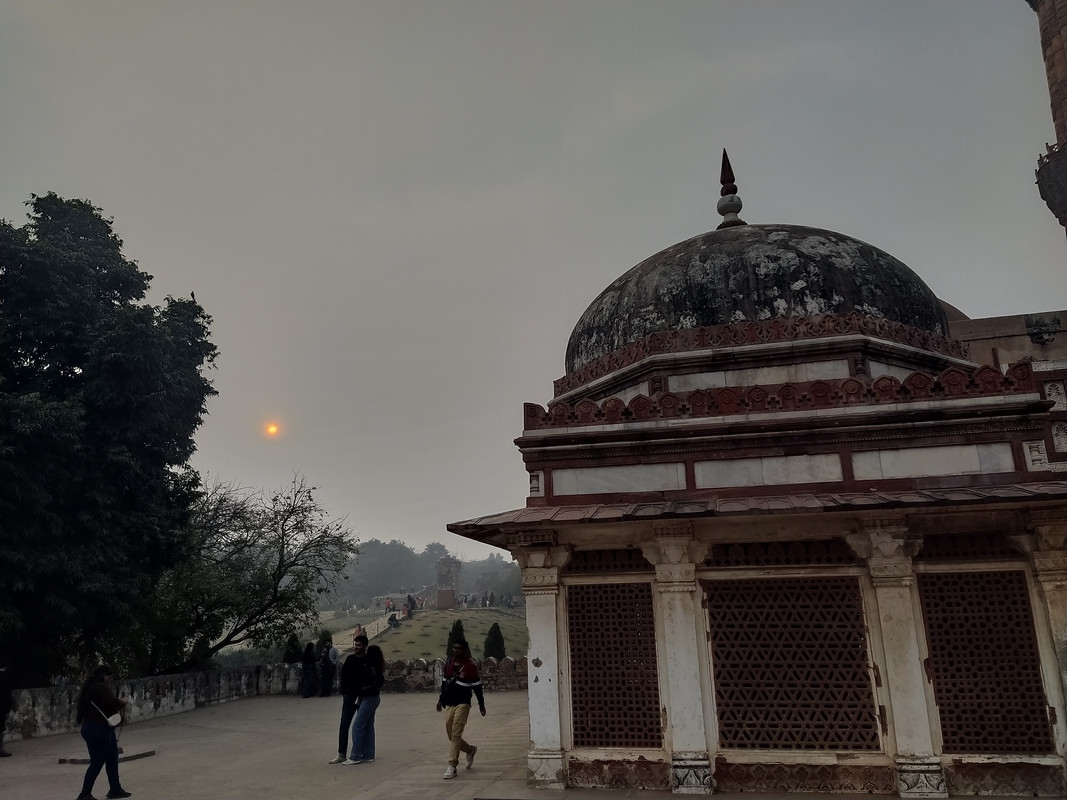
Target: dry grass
426	635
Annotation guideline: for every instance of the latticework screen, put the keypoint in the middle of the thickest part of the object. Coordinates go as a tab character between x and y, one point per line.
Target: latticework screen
614	680
984	663
791	666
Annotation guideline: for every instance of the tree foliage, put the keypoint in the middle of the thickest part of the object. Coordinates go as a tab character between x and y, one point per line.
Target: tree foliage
454	635
100	395
252	569
494	643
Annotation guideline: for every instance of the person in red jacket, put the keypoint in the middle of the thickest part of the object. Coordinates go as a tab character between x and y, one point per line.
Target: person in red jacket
461	680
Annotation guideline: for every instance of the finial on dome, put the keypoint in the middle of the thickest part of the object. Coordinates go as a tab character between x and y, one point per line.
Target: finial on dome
729	203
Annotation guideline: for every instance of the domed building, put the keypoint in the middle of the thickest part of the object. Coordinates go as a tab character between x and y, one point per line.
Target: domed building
786	531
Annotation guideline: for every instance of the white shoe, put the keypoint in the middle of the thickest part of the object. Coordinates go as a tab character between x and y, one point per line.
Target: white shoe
350	762
470	756
450	773
337	760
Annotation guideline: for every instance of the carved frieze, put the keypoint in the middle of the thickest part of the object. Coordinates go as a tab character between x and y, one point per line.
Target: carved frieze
1054	391
757	333
691	774
544	769
888	547
826	393
540	580
921	777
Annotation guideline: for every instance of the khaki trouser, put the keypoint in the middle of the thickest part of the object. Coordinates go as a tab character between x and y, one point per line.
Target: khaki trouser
455	722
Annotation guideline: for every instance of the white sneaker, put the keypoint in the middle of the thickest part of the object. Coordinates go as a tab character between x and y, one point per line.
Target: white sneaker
352	761
337	760
450	773
470	756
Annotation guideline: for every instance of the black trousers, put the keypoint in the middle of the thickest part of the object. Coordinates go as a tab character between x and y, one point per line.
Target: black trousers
348	711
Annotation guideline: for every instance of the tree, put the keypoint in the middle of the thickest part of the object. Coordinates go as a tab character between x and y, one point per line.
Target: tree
251	571
293	652
100	395
494	643
454	635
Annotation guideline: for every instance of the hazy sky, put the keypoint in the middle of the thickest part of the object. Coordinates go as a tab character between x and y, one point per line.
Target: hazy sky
396	211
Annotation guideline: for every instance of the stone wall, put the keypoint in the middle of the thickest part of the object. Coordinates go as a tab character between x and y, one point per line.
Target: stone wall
51	710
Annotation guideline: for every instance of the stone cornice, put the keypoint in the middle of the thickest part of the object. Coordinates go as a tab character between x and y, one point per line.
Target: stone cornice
785	329
952	383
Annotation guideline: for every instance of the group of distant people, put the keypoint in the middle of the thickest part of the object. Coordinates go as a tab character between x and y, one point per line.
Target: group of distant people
487	600
318	670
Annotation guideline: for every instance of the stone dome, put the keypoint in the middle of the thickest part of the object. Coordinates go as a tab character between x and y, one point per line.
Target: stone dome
752	273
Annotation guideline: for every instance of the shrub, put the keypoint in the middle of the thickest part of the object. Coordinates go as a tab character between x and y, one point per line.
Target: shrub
494	643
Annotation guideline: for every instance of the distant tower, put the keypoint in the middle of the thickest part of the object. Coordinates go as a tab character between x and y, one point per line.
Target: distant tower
1052	167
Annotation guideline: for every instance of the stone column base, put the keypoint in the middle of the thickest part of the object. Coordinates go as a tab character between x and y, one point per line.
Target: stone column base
691	774
921	776
544	769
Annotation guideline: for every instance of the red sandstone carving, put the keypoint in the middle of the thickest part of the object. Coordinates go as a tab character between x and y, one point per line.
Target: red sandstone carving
748	333
950	384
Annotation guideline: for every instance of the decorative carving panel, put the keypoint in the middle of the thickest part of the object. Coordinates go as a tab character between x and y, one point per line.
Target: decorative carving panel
790	778
596	562
781	554
984	663
614	678
1005	780
966	547
791	665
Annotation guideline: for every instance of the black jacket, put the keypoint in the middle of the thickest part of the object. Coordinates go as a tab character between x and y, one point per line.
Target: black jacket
360	677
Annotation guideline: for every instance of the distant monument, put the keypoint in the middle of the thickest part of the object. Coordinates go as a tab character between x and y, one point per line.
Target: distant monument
447	569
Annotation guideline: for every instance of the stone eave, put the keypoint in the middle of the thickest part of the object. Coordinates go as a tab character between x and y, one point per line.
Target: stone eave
494	529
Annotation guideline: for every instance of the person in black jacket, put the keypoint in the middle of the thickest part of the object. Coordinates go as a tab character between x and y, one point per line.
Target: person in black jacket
362	676
308	670
96	703
7	702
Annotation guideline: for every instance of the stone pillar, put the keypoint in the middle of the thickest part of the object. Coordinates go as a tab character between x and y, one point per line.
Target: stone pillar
675	552
888	550
1048	554
541	563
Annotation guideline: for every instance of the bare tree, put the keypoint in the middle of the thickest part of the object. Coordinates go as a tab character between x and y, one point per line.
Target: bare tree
254	569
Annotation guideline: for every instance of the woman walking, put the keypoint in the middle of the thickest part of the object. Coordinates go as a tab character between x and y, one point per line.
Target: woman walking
96	703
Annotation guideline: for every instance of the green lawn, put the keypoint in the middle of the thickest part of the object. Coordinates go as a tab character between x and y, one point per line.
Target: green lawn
427	634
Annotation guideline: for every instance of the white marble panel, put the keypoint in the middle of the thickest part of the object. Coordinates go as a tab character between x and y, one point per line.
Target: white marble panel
867	466
630	392
768	471
783	373
921	462
729	472
995	458
802	469
879	368
632	478
696	380
825	370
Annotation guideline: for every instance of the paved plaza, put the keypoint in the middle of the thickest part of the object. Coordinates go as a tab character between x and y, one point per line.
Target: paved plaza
278	747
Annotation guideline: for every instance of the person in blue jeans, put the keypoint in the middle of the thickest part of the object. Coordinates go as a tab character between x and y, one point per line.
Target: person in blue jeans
362	677
95	704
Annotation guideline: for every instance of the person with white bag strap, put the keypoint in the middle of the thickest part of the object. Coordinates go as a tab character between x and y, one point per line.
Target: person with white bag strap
100	712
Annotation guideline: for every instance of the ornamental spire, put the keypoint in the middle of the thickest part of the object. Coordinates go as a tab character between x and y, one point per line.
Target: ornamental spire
729	203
